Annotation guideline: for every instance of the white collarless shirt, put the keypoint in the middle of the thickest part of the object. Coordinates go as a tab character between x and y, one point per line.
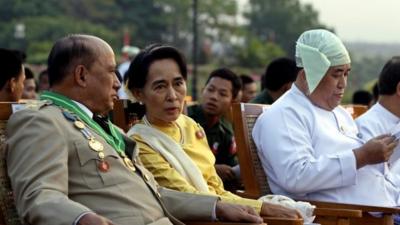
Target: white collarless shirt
307	153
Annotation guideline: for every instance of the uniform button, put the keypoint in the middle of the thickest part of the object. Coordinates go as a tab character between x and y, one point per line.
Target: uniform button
146	177
158	194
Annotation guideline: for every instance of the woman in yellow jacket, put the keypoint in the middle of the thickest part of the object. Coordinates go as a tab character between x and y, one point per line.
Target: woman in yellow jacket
172	146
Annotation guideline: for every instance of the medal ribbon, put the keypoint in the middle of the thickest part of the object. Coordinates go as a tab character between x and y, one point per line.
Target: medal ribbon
115	139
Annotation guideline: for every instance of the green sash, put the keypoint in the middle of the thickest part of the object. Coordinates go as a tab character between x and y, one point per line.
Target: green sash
115	139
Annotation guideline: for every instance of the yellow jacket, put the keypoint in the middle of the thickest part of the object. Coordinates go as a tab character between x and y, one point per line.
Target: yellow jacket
196	147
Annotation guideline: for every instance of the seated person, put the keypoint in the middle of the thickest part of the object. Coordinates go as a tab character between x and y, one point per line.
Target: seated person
375	93
12	75
67	169
249	88
384	116
308	144
362	97
43	84
276	80
171	145
29	85
220	91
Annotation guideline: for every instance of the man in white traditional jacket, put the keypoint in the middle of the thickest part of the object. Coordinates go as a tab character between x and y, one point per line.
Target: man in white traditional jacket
309	145
384	116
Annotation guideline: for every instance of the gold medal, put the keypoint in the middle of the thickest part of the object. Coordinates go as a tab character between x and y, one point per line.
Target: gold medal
101	155
79	124
96	145
129	164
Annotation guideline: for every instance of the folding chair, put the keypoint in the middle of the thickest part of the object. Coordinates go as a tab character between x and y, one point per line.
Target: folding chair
256	183
125	113
355	110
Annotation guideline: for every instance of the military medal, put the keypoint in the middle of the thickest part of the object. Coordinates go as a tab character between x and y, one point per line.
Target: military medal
103	166
79	124
199	134
81	121
96	145
128	163
101	155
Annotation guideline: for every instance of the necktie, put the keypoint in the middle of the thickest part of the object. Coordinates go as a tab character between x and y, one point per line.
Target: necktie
103	122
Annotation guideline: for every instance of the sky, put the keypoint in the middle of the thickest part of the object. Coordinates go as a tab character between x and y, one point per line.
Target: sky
375	21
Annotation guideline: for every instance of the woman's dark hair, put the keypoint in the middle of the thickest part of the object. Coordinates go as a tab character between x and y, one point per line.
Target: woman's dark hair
136	76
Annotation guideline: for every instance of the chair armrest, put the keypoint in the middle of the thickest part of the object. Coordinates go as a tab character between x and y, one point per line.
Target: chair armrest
282	221
363	208
337	212
218	223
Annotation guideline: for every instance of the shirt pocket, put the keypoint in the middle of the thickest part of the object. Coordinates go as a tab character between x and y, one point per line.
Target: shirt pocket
128	220
89	167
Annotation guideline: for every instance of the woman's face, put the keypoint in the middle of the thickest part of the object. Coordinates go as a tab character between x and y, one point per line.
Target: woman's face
164	92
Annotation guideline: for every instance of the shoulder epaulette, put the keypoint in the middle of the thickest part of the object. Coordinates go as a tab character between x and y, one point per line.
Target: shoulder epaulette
33	104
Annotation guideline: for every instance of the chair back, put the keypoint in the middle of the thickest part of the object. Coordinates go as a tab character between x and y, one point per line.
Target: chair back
253	176
256	184
8	212
355	110
126	113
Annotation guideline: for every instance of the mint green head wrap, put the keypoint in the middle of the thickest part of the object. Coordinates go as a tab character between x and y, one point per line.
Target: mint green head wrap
316	51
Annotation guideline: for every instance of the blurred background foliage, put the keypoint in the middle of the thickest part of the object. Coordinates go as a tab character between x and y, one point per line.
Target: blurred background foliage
245	39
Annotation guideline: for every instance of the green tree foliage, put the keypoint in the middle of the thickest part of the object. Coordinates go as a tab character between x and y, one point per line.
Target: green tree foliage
364	70
281	21
257	54
273	25
146	21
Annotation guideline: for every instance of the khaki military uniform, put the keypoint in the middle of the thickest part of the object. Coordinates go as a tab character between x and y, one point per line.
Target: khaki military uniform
56	177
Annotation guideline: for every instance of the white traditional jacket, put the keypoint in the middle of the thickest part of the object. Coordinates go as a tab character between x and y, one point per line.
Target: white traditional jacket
377	121
306	152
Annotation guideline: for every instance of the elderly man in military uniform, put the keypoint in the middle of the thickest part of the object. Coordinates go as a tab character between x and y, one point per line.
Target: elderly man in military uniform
66	168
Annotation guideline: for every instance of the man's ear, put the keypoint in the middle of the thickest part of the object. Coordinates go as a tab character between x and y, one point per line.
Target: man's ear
137	93
238	97
398	89
287	86
81	75
11	84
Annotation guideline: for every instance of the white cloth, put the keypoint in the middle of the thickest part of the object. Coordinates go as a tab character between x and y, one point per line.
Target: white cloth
122	94
305	208
376	121
173	153
306	153
316	51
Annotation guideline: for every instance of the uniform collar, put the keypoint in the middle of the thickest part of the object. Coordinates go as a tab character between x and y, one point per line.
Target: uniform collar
84	108
386	113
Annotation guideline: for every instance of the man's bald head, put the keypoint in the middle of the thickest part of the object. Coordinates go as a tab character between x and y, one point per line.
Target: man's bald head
73	50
